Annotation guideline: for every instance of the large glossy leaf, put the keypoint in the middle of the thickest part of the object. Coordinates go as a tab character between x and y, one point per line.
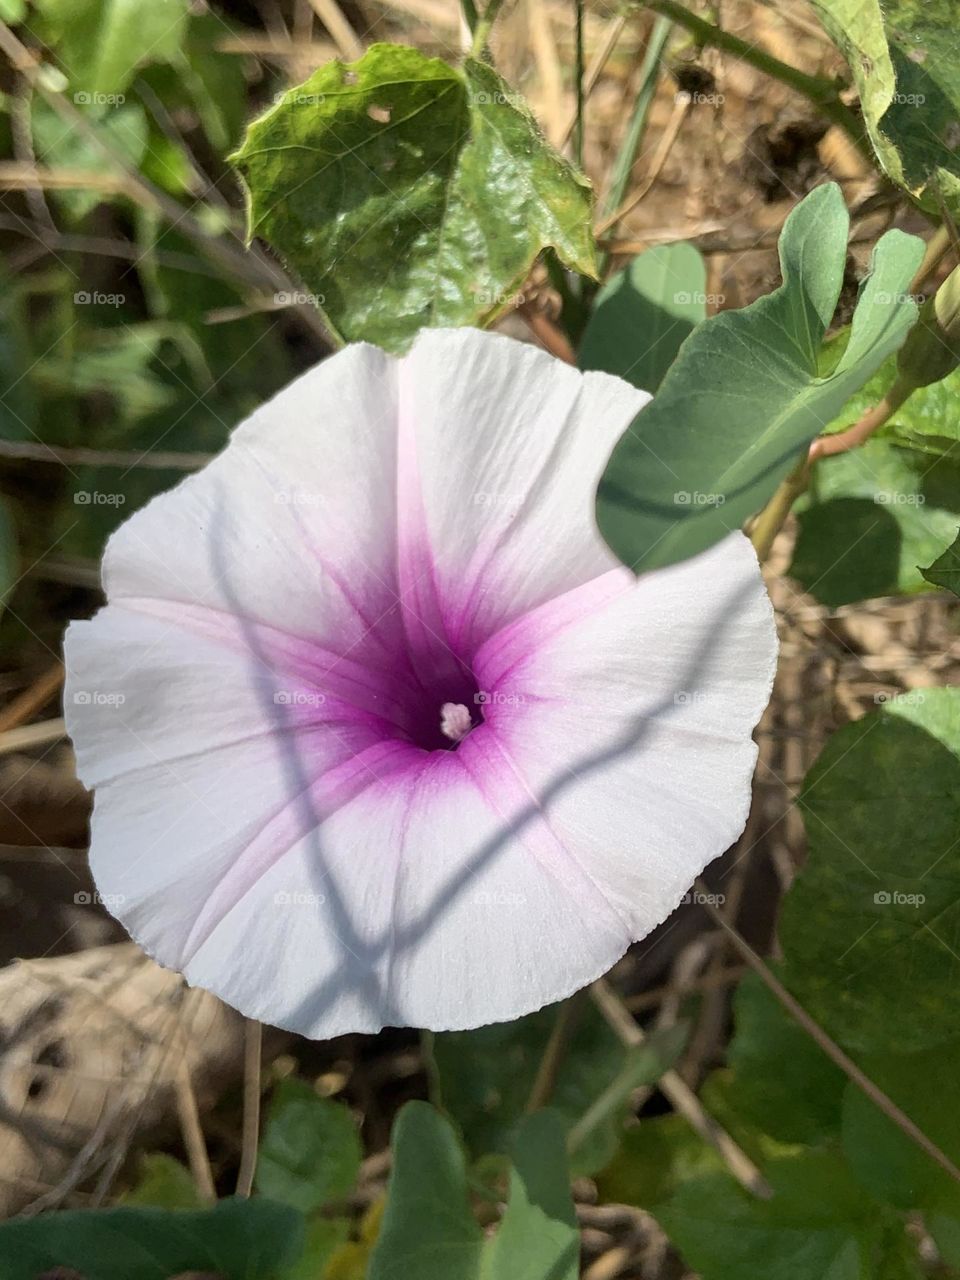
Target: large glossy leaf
405	192
101	43
871	928
310	1151
905	59
237	1239
644	312
745	396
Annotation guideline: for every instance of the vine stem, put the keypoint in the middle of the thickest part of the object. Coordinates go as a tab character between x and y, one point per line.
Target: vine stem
579	71
773	516
864	428
252	1052
483	27
553	1054
470	15
819	90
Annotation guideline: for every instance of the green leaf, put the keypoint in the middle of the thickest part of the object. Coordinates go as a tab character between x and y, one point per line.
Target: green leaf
871	927
656	1158
428	1230
889	1164
18	407
59	144
215	81
817	1224
237	1239
929	420
310	1152
405	192
101	43
108	362
486	1077
645	1064
875	514
350	1261
164	1182
643	313
745	397
783	1082
904	59
324	1238
945	570
538	1237
13	11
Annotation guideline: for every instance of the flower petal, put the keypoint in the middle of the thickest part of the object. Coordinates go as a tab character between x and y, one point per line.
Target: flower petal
417	904
294	524
501	447
627	707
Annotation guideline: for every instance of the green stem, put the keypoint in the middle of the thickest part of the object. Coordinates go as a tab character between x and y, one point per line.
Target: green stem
470	15
567	1014
774	515
579	73
820	91
623	165
481	31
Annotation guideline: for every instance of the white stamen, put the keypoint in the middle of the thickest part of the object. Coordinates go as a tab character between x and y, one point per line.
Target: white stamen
455	722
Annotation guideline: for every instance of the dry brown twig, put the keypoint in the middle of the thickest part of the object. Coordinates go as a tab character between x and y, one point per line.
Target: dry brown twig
681	1096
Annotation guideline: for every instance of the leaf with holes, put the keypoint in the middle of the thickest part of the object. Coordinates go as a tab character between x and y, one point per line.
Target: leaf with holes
405	192
905	59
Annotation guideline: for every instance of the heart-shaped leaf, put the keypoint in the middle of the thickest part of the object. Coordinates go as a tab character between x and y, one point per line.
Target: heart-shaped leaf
405	192
745	395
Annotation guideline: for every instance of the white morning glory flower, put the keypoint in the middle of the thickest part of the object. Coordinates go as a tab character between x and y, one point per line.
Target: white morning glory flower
381	732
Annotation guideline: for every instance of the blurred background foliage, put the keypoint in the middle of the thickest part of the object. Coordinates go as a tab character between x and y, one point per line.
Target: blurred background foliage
680	1117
